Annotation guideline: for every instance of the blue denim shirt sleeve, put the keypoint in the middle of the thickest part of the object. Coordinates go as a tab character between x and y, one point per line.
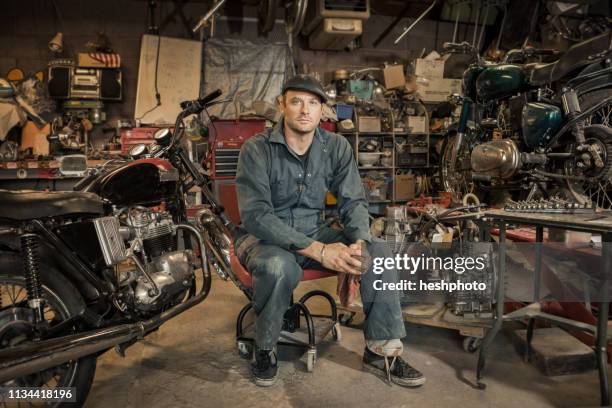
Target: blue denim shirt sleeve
256	209
348	189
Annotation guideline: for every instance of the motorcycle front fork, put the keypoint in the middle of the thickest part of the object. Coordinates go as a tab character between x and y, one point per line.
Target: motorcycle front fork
571	108
466	108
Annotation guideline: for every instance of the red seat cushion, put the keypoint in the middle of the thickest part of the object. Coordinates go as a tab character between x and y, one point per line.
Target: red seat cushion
245	277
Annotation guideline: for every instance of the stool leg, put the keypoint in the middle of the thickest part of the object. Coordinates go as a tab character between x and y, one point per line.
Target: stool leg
240	319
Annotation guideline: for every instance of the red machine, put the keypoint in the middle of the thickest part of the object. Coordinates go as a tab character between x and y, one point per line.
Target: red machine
227	137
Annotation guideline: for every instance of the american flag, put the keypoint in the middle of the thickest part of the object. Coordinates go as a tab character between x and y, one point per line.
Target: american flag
109	60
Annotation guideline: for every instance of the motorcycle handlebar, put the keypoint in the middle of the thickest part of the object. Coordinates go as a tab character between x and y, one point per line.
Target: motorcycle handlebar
196	106
458	47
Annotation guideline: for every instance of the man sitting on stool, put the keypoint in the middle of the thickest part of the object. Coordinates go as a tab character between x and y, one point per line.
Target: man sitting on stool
282	180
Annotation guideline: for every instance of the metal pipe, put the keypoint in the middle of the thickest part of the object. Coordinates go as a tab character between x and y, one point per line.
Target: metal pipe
501	30
456	26
208	15
24	360
406	31
142	270
484	24
476	27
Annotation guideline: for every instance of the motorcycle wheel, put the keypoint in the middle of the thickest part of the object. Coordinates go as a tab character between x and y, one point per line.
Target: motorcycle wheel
61	301
602	116
598	189
458	182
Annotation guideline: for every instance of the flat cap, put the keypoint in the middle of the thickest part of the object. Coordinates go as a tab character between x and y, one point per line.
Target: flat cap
305	83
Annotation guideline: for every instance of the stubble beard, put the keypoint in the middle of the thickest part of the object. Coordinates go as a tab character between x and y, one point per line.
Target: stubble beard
301	130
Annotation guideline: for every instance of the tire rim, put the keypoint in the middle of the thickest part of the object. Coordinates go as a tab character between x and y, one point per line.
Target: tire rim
12	290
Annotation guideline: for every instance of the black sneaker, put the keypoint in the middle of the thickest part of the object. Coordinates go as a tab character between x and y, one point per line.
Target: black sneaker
395	369
265	368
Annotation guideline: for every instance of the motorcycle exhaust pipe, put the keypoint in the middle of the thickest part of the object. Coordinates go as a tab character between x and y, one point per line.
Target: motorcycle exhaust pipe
19	361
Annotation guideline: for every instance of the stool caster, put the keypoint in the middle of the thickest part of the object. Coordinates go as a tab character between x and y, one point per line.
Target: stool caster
471	344
311	359
346	319
245	349
336	332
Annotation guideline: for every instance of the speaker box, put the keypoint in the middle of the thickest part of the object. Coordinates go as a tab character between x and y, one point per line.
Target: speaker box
59	82
110	84
106	83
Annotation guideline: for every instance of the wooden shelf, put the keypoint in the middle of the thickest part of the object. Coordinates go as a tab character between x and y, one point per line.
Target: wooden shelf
374	167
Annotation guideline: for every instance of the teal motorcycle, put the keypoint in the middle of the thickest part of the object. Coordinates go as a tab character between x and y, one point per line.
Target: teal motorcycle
529	129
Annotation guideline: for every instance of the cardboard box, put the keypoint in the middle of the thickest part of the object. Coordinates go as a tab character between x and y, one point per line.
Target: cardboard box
430	69
417	124
439	89
369	124
394	77
404	186
35	138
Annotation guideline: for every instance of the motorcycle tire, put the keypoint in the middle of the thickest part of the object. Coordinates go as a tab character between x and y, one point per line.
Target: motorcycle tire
67	301
602	116
581	190
444	179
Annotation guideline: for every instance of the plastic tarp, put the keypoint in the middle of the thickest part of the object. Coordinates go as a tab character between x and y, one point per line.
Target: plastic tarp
246	72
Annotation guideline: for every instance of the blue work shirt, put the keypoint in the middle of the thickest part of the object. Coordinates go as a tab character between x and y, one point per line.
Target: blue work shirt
282	202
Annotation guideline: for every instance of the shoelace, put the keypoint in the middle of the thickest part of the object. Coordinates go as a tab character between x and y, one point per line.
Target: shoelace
264	358
400	368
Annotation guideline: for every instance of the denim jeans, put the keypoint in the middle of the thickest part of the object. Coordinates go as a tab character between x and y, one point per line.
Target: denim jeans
276	273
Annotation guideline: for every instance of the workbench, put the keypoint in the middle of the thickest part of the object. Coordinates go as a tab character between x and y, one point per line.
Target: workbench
593	223
38	175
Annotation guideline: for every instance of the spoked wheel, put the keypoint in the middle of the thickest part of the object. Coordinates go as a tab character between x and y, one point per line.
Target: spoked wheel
457	180
603	115
597	187
17	328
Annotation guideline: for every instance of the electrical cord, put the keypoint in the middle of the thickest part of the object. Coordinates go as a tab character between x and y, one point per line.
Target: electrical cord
157	94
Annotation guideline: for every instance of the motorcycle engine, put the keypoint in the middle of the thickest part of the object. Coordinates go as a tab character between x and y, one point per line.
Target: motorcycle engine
162	272
496	159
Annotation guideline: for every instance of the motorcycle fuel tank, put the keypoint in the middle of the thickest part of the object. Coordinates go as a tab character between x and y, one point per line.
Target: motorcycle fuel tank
469	80
540	121
500	81
140	182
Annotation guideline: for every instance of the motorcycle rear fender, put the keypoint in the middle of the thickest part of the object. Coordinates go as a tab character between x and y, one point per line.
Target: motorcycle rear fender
53	260
592	78
12	260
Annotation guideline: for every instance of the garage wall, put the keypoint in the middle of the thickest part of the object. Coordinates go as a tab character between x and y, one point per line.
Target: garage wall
26	26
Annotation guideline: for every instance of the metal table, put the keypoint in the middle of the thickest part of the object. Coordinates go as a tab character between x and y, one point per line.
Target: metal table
594	223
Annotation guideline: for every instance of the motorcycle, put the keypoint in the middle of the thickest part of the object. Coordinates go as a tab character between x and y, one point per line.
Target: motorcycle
104	265
531	128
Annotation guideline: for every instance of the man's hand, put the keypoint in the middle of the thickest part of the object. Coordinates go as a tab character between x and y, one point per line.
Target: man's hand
337	256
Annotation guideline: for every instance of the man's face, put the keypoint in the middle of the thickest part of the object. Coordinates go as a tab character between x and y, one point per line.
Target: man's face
302	111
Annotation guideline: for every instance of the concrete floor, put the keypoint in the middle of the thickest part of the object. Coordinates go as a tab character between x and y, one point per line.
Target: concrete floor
192	362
